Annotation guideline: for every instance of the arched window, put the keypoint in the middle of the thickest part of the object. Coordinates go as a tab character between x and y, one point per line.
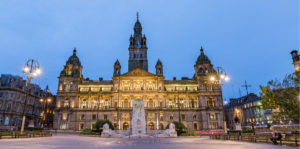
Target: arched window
125	126
151	126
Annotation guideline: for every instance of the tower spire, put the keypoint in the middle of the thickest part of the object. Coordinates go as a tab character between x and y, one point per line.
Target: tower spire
137	16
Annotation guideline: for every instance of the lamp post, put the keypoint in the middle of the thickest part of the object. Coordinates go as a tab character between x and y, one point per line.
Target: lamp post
179	102
32	69
220	76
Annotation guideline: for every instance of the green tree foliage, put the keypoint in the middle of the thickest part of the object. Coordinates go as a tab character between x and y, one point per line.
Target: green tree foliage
179	127
99	125
283	97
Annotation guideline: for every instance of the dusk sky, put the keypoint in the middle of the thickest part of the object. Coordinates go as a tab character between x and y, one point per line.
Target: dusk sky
250	39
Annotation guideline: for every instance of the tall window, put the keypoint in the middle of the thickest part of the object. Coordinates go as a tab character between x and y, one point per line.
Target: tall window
105	116
126	103
211	102
82	117
84	104
183	117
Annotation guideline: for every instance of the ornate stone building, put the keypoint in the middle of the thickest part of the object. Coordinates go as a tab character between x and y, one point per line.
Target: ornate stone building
12	97
197	102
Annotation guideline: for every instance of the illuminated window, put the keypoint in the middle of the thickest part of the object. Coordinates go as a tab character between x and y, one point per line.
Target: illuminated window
213	125
211	102
64	116
212	116
195	126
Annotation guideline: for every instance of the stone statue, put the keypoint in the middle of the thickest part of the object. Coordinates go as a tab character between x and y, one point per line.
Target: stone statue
106	132
171	132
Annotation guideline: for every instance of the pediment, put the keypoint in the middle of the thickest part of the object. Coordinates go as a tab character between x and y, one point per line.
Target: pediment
138	72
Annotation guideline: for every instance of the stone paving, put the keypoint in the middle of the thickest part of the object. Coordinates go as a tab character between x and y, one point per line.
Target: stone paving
84	142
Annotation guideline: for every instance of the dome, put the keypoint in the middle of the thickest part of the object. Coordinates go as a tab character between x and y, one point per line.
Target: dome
74	60
202	59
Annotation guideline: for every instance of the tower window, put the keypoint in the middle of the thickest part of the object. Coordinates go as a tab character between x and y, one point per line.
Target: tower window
141	56
134	56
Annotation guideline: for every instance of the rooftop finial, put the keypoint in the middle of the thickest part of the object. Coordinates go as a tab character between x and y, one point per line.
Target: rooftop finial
137	16
74	51
201	50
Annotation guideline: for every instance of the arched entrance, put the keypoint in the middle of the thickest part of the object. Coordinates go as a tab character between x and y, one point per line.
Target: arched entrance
125	126
151	126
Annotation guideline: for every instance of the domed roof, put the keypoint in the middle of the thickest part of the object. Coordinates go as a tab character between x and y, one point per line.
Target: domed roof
74	60
202	59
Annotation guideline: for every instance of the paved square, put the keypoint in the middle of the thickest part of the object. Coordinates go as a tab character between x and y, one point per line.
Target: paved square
84	142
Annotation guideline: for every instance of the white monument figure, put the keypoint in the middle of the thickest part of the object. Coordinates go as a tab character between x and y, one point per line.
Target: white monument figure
170	132
107	132
138	118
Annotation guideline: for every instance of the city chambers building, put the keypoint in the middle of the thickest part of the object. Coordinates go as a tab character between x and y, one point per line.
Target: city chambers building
196	102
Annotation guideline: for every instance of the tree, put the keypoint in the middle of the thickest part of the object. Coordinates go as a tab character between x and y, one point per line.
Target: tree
179	127
283	97
99	125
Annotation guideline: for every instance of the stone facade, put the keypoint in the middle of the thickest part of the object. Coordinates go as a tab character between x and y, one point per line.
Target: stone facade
196	101
12	96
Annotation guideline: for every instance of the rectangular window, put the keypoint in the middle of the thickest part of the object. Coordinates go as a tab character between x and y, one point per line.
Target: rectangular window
81	126
93	126
82	117
183	117
171	117
195	126
213	125
1	94
94	117
105	116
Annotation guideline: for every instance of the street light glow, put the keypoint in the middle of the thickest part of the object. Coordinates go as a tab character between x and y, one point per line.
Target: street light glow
26	69
212	78
222	76
38	71
227	78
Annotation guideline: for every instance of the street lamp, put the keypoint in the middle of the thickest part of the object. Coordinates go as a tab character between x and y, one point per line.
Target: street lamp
31	69
220	76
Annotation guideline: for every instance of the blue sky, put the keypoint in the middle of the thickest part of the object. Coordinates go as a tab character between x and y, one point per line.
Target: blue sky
250	39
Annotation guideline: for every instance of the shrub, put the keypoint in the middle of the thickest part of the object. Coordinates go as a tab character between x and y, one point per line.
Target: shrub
190	133
100	123
179	127
89	132
33	129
